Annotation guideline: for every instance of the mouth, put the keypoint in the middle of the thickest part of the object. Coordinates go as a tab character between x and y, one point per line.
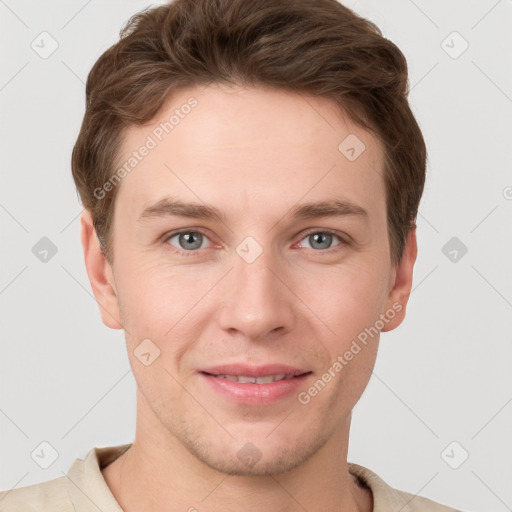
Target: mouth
253	385
245	379
247	370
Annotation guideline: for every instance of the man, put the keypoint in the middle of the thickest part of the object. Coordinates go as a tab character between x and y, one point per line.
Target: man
251	173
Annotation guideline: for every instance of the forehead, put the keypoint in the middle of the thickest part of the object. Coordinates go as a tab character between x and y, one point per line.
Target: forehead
234	146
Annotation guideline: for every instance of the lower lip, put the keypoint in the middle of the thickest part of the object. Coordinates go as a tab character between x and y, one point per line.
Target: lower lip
255	394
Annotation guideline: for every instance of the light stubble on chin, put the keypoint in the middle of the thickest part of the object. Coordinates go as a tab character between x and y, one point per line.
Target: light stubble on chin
223	453
227	461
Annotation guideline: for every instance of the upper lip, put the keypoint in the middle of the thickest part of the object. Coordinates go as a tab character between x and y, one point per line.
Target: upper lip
254	371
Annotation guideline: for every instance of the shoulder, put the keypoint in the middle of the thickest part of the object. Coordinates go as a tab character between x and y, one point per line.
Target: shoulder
390	499
415	503
48	496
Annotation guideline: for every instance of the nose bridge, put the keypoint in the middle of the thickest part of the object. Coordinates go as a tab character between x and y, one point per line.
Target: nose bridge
256	302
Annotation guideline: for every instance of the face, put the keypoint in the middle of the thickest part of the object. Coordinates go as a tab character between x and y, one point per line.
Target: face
251	273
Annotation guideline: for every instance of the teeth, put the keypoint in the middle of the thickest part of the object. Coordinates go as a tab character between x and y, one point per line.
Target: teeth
247	380
255	380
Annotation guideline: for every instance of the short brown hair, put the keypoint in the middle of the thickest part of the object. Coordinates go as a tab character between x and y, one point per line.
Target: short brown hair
313	47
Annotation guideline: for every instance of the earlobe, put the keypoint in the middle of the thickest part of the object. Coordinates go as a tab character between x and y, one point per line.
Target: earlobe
401	285
100	274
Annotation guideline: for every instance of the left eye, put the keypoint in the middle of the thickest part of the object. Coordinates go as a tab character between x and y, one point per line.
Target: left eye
189	240
321	240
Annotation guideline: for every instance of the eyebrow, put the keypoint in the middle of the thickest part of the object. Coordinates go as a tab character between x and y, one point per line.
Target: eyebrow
169	207
333	208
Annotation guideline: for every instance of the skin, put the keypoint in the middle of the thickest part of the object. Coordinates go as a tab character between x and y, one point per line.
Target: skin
254	154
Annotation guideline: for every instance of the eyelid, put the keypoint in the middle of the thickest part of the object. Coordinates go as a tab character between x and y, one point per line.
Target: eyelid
172	234
344	239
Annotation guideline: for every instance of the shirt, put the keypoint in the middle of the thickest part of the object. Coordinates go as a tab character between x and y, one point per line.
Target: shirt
84	489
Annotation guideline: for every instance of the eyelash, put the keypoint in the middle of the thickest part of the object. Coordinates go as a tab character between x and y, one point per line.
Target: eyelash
343	240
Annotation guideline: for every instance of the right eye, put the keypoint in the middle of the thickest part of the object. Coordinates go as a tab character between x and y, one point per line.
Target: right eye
187	241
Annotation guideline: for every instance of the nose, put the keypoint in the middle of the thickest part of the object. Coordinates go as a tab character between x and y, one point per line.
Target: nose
256	299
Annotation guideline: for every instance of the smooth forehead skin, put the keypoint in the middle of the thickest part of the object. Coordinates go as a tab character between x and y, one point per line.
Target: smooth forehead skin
253	153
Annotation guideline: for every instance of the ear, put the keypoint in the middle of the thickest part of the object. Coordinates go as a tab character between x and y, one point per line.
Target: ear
401	283
100	274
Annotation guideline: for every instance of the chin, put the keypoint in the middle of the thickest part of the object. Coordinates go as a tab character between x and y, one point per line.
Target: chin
257	457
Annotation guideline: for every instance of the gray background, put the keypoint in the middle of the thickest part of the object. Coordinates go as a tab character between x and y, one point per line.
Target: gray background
443	376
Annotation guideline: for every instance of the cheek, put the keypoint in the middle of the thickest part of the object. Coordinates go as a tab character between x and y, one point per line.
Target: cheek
153	298
352	299
351	312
